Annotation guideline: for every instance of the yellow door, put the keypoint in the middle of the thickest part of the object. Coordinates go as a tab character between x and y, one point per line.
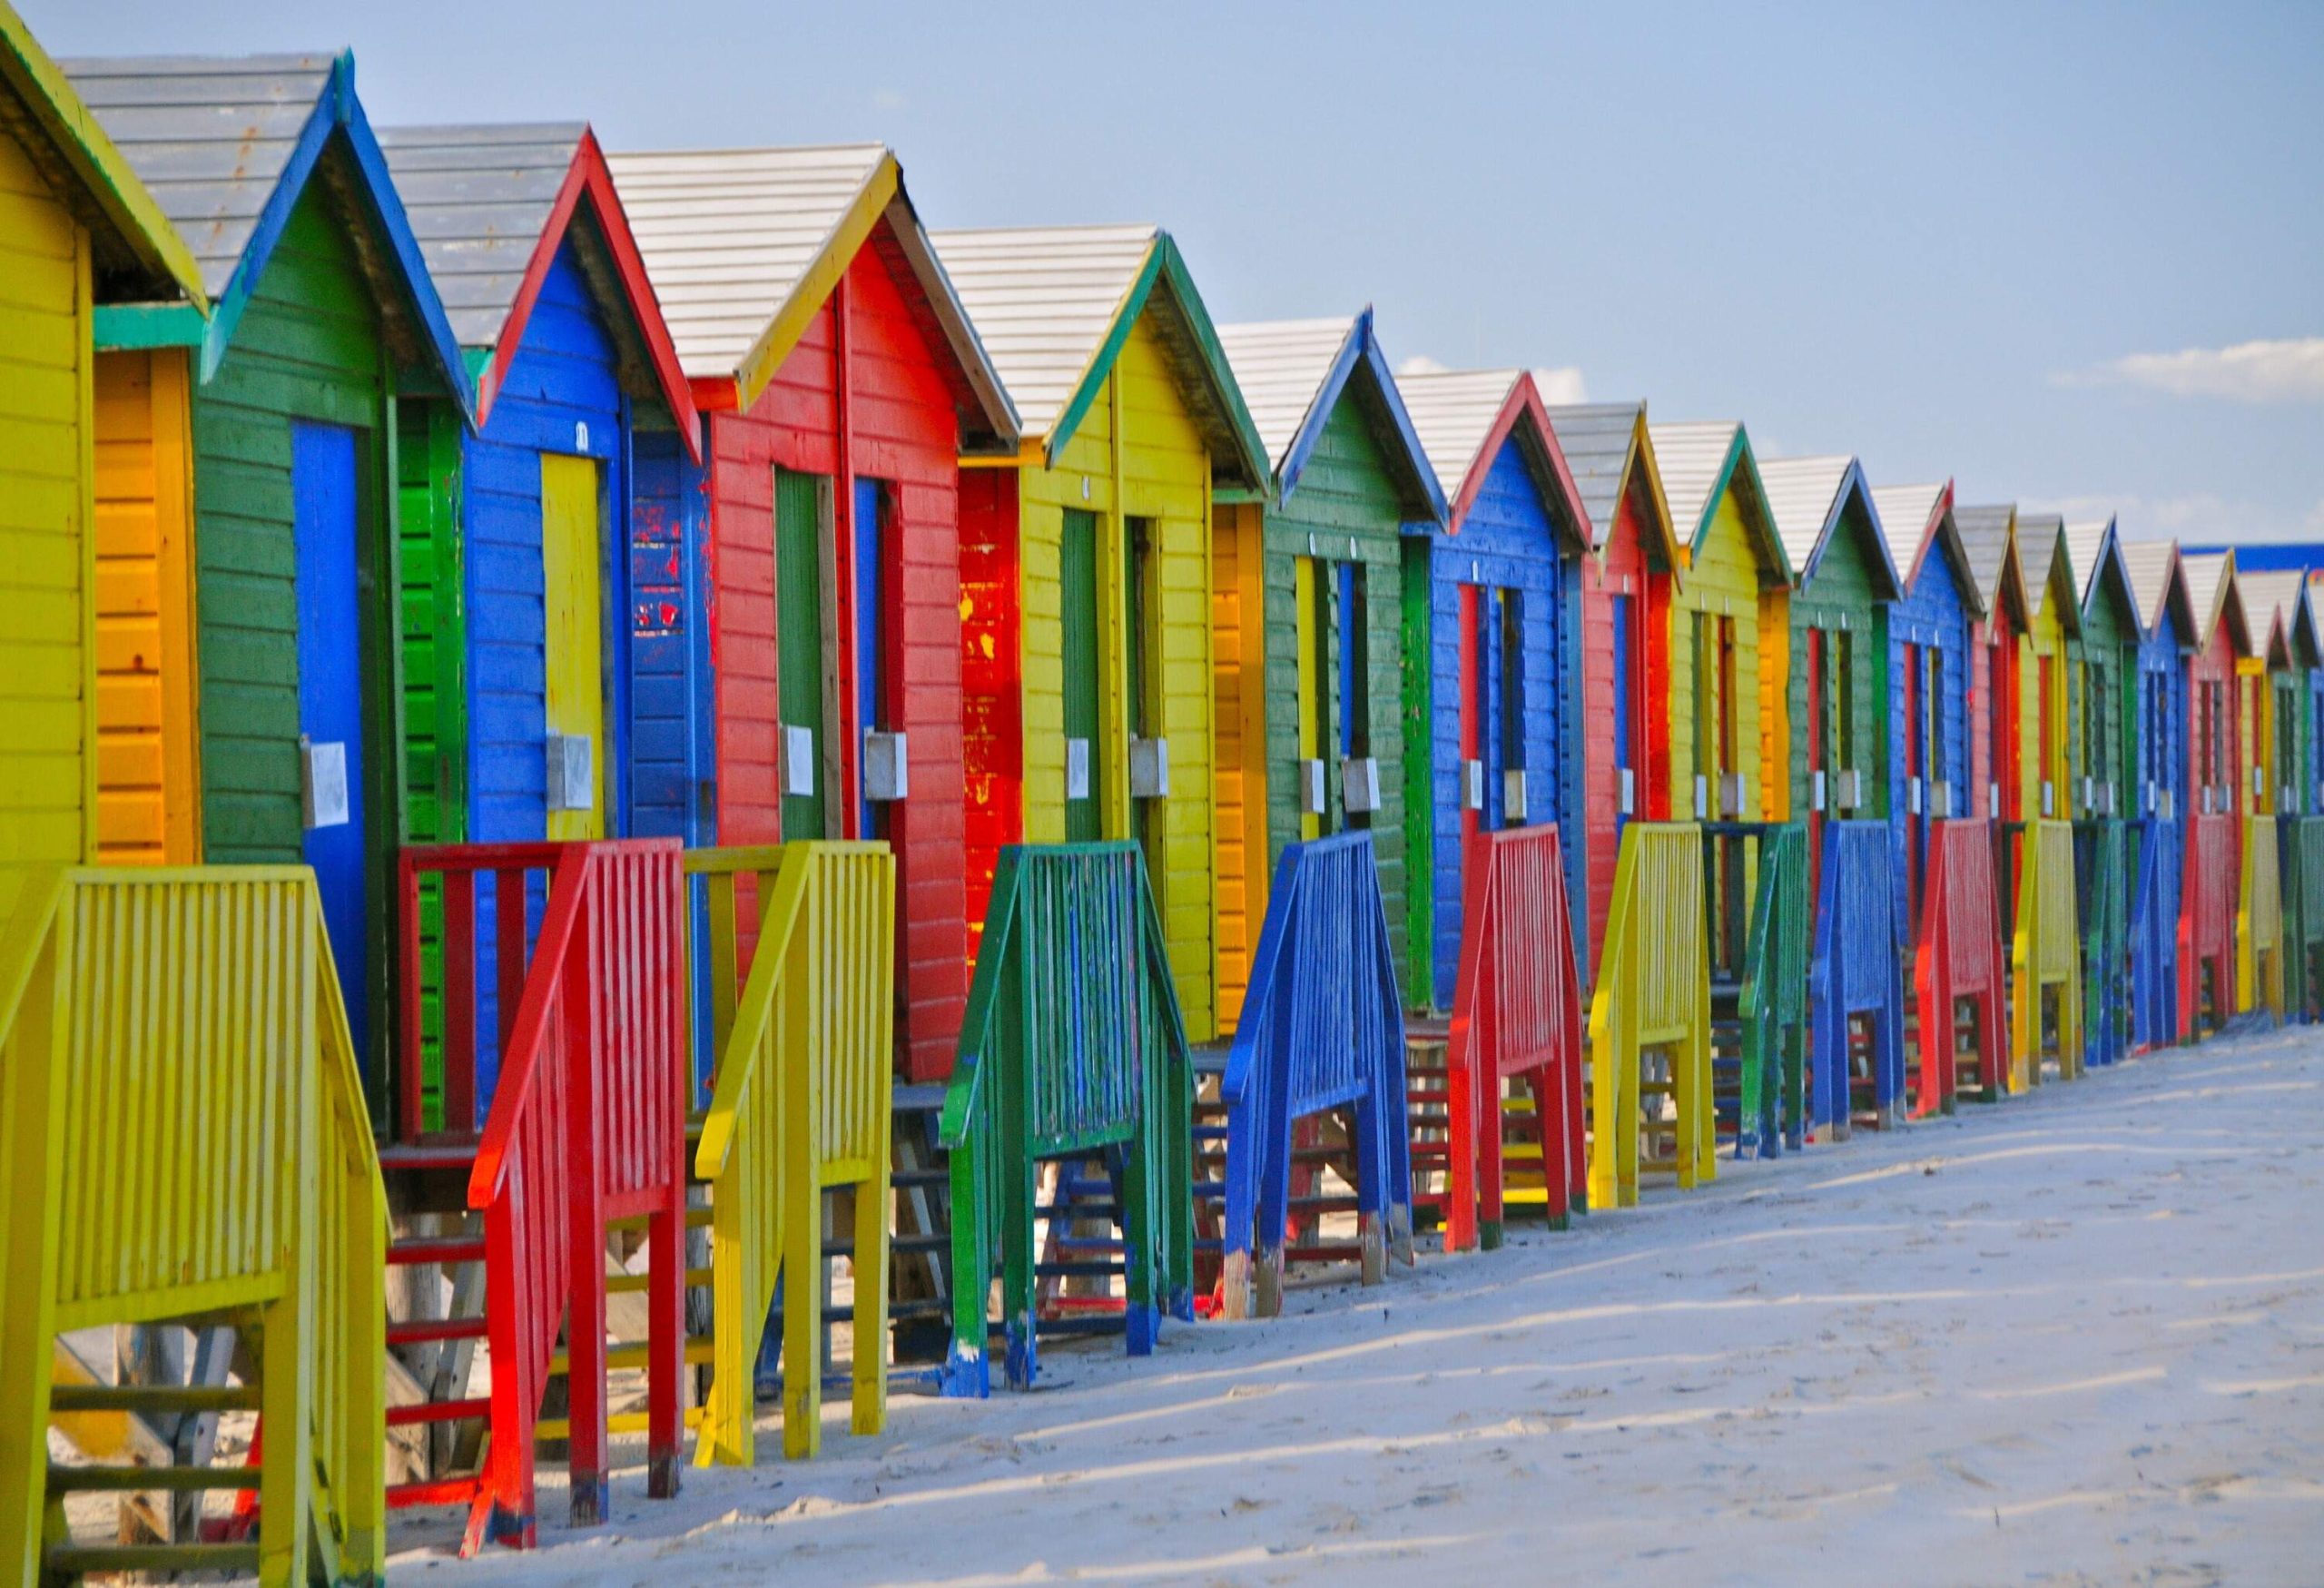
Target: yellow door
574	612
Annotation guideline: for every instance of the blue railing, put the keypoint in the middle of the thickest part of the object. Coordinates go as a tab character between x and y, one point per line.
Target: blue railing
1855	972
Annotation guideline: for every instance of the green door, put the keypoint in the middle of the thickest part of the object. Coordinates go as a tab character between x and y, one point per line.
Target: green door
799	649
1077	578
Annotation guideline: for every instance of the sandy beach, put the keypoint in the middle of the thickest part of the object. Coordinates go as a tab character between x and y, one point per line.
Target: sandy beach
2077	1338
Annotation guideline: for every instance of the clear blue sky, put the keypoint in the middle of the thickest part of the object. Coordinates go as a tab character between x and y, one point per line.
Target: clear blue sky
1951	240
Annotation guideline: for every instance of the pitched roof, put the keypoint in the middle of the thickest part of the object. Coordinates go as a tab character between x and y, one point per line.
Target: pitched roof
136	252
490	206
2041	538
1605	444
2097	552
2270	601
746	246
1809	499
1292	372
2159	581
2212	589
1697	459
226	144
1463	415
1988	537
1916	517
1054	305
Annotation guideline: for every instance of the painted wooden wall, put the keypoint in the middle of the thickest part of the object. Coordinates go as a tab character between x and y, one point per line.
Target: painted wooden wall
1934	616
430	562
2045	755
2102	736
1345	499
892	420
1506	541
46	776
671	724
149	784
2163	752
1992	713
2254	785
1724	580
1623	569
1839	599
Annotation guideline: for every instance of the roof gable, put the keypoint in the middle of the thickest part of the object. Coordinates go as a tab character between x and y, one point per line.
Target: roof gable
2217	597
1611	453
2269	603
2160	583
136	252
2041	540
228	144
1464	416
1989	536
1293	373
1056	306
491	206
1701	460
2097	552
1925	513
1812	499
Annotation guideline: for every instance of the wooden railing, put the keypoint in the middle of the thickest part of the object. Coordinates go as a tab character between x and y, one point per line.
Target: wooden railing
804	1030
1072	1044
1761	910
2101	869
585	1124
1322	1027
1517	1014
2259	922
2154	931
2045	954
2304	901
183	1131
1853	974
1653	993
1960	960
2207	905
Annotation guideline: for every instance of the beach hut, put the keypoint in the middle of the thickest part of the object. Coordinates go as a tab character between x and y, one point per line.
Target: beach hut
1988	537
2103	754
2272	601
2216	762
325	315
1319	640
1929	672
1506	618
1730	631
2053	624
1084	564
2162	791
1627	586
841	384
1843	584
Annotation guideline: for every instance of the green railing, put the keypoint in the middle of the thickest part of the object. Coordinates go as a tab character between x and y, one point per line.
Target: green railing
1772	1004
1073	1046
2303	906
2101	867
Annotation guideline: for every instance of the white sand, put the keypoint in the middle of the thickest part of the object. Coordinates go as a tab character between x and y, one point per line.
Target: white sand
2075	1338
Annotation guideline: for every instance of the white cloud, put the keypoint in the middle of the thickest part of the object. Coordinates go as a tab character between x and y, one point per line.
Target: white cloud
1421	364
2290	370
1561	385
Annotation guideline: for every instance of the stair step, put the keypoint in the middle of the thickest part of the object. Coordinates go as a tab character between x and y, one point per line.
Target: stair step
457	1411
457	1491
632	1354
134	1479
424	1331
455	1248
177	1399
428	1155
1073	1270
83	1560
633	1283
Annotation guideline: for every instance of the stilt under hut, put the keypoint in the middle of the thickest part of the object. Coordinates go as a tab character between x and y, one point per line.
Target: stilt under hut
1843	584
1086	564
1626	593
2103	754
238	1058
325	315
841	385
2166	789
1932	659
1505	621
1319	637
1730	749
2213	878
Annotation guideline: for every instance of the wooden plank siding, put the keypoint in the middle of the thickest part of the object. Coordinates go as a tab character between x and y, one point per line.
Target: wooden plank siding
149	810
431	590
1623	569
1841	597
1725	580
47	779
870	401
1933	619
2102	742
2042	724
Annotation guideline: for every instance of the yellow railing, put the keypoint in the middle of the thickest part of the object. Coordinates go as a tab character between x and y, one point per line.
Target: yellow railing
182	1130
1653	992
2045	953
2259	922
799	1102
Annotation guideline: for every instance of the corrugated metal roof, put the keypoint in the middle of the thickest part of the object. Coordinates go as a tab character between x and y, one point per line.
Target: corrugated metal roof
2271	599
1985	538
479	198
2149	563
1453	412
2212	589
2086	543
2042	545
1803	493
1044	300
1907	514
210	137
729	235
1693	456
1595	437
1282	365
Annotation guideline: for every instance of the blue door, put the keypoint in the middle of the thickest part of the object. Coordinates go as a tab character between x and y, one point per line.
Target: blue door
870	639
330	706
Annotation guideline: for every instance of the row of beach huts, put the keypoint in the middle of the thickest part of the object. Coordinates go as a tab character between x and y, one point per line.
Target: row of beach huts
611	765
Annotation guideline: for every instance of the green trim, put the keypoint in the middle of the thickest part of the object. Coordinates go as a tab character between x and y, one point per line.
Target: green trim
1101	362
126	327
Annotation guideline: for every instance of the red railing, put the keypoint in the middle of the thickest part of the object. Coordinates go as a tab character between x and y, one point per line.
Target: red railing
586	1124
1960	957
2207	919
1518	1012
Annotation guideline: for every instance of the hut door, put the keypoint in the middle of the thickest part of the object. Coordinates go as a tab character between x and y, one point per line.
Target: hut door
325	523
1916	782
2045	735
572	611
1478	794
1520	803
1078	595
800	608
1352	704
1627	788
1315	662
1821	788
2001	724
871	714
